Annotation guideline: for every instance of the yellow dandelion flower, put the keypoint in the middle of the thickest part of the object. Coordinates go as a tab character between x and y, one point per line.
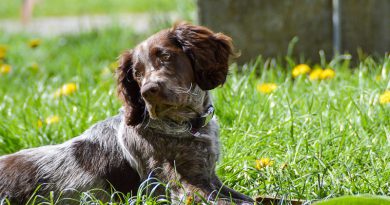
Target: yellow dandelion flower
328	74
33	43
189	200
52	119
5	69
66	89
315	74
39	123
300	69
385	97
378	78
266	88
263	162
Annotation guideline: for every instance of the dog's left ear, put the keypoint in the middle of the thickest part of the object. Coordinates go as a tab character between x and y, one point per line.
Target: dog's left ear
209	53
129	91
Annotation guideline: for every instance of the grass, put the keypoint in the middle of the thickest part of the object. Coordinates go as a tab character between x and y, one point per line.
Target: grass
331	137
357	200
326	138
11	9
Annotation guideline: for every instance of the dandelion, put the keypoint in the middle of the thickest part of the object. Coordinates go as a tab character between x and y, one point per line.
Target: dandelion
52	119
189	200
5	69
266	88
263	162
300	69
385	97
315	74
66	89
328	74
34	43
378	78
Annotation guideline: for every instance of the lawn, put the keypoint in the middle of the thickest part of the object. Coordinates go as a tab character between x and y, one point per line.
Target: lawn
323	138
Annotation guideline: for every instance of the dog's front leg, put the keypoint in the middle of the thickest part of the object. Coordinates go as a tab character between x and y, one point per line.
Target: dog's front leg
188	193
210	193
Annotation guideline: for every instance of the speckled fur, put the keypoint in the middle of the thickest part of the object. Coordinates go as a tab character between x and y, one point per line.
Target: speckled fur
86	162
83	163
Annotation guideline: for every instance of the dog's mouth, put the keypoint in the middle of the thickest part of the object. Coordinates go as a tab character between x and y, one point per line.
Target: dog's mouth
178	108
158	110
177	113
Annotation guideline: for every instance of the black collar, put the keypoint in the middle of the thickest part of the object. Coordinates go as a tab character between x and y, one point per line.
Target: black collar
202	121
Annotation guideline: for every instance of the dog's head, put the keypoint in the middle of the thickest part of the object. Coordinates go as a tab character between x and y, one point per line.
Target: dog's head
167	74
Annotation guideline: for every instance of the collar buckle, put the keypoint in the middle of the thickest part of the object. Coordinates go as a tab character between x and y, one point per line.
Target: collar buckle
208	115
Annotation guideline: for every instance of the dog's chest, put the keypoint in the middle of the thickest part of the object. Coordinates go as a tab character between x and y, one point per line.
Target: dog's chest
183	156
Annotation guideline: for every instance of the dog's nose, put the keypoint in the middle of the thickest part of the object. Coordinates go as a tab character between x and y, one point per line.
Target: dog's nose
150	90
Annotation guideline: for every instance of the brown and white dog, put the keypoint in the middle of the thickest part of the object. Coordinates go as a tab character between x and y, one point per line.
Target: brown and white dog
165	131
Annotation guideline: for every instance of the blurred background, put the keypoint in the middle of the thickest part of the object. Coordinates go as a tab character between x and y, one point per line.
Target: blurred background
56	17
258	27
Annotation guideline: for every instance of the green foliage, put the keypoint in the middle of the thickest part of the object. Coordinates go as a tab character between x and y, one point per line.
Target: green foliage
326	138
357	200
11	8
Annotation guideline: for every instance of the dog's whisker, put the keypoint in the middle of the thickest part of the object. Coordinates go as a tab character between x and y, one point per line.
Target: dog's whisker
146	118
189	89
181	90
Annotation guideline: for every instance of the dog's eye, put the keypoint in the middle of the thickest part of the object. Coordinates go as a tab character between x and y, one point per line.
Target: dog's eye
165	57
138	74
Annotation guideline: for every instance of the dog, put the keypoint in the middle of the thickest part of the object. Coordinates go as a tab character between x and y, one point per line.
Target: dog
165	130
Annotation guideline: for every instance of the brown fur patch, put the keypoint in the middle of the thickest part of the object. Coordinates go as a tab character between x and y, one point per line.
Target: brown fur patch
107	164
18	178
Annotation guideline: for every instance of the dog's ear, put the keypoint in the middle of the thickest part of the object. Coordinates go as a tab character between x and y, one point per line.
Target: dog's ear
209	53
129	91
